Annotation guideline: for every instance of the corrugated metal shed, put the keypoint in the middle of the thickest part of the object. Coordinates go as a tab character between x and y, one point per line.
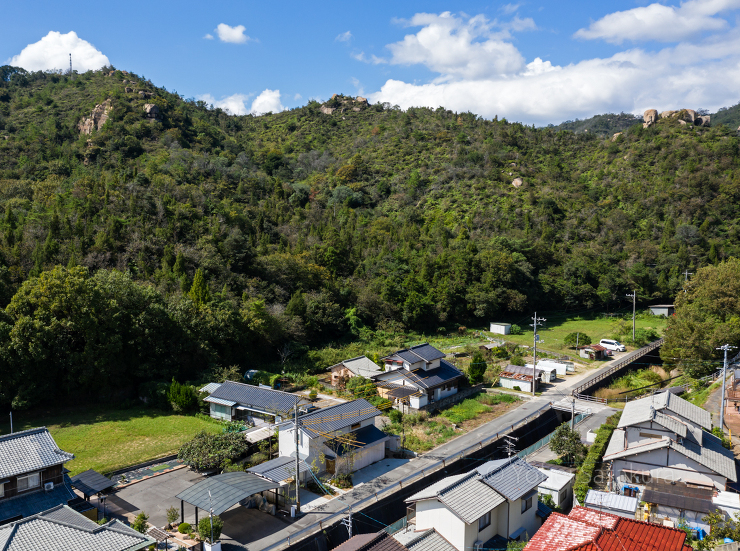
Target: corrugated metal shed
278	469
611	502
29	450
262	399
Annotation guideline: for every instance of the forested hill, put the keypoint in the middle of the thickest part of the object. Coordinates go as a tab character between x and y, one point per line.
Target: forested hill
304	227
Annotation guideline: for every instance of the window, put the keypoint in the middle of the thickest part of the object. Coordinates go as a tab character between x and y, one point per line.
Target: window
2	489
355	426
637	477
526	504
649	435
222	410
484	521
29	482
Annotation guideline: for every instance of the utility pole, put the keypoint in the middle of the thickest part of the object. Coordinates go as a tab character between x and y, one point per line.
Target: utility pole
534	362
210	502
726	348
11	422
297	460
686	278
573	414
633	296
347	521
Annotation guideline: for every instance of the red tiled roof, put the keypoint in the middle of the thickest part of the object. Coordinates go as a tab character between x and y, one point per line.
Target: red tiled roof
594	517
587	530
560	533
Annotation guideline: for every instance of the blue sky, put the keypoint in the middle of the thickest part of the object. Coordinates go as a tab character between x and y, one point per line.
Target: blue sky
535	62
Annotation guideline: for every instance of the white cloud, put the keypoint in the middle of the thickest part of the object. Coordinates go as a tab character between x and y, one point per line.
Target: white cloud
358	85
660	23
233	35
457	47
344	37
508	9
267	102
52	52
297	97
688	75
375	60
234	104
208	36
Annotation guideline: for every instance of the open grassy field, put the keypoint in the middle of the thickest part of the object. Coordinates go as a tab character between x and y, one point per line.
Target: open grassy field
555	330
107	440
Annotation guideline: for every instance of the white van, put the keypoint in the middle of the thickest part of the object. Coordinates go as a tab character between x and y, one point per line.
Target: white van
616	346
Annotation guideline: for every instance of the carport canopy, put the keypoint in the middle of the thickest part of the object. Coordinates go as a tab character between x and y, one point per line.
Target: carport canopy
91	482
226	489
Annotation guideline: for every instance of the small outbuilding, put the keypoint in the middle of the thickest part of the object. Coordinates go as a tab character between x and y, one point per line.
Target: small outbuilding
500	328
662	309
607	502
561	366
559	486
545	373
593	352
517	381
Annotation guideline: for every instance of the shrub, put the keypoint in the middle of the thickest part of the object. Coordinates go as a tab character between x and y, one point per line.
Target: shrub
208	451
517	387
494	399
140	524
593	457
184	528
182	398
517	360
395	416
313	395
172	515
477	368
204	528
515	329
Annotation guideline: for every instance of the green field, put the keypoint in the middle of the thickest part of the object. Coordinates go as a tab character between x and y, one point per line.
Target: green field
107	440
555	330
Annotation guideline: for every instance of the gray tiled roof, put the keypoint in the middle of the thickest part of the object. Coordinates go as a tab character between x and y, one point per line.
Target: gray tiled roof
639	411
264	399
334	418
361	366
420	352
28	451
210	388
616	442
446	372
514	478
470	498
61	531
28	504
620	451
430	541
431	491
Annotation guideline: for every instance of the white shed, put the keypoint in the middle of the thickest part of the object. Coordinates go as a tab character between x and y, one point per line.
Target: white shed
662	309
500	328
546	373
561	366
559	485
622	506
512	380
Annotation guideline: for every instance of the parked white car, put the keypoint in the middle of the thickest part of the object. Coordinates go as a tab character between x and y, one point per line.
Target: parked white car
615	346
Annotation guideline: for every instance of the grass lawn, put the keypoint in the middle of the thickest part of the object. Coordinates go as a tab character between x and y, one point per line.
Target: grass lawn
107	440
554	332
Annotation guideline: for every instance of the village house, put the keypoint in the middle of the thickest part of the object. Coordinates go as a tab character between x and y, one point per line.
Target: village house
484	507
337	439
593	352
32	474
253	405
416	377
361	366
589	530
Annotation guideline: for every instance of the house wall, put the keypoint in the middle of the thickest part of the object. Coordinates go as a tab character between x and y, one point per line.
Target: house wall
445	393
217	415
563	497
361	458
430	513
472	534
528	519
418	401
525	386
693	518
52	474
664	464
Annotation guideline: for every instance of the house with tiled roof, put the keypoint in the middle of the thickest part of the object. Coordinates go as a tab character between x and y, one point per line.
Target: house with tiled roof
32	474
590	530
666	438
417	376
338	439
63	529
487	506
232	401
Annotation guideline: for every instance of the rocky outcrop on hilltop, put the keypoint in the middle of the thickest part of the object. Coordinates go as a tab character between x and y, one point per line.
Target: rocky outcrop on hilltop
97	118
343	103
684	116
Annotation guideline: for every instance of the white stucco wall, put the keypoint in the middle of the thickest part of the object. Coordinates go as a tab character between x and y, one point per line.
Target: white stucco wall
430	513
528	519
665	464
446	393
525	386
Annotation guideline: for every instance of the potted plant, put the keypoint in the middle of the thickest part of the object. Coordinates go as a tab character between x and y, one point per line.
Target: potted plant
210	532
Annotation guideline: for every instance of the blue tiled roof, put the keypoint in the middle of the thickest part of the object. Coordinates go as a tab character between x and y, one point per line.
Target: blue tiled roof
420	352
32	504
434	377
264	399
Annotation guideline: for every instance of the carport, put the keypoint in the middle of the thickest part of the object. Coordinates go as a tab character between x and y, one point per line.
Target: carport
223	491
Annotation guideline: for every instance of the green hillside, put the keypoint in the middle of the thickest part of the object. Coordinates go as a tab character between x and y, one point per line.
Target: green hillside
601	125
308	228
729	116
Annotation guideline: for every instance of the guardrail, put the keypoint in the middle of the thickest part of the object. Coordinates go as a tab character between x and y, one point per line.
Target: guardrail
628	359
410	479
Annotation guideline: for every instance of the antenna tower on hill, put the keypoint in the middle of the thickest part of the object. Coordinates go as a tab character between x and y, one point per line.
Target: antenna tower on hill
70	64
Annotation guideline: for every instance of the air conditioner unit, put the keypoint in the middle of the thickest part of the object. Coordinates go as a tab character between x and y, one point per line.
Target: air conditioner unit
48	486
477	545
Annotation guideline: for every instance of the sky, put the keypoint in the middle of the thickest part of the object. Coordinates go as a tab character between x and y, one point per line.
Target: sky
533	62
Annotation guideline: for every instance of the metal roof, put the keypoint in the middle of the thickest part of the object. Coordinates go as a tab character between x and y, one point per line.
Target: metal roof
556	480
679	502
597	500
28	451
210	388
430	541
524	370
219	401
361	366
445	373
91	482
278	469
360	541
61	530
264	399
513	478
335	417
27	505
421	352
226	489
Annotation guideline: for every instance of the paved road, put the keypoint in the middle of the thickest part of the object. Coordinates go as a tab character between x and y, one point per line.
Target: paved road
556	393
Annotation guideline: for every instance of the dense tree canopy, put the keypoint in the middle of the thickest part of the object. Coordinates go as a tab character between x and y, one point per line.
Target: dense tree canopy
200	238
